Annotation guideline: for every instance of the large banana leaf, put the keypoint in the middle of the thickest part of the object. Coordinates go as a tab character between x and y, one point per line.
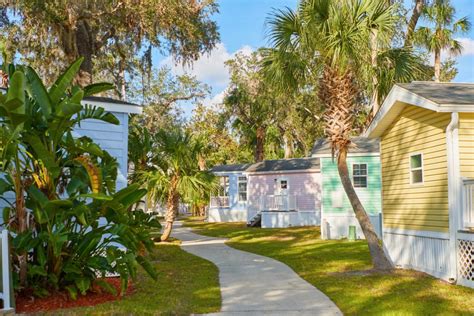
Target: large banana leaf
59	88
15	101
96	88
39	92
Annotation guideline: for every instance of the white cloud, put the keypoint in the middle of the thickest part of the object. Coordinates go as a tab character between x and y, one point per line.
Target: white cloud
215	100
467	46
210	68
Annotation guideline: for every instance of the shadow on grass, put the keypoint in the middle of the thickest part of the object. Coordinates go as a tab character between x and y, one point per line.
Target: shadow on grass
186	284
329	265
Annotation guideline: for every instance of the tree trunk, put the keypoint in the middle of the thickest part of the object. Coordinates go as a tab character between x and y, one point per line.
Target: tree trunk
288	146
375	82
437	64
379	258
202	210
260	144
21	215
415	16
172	205
85	48
122	88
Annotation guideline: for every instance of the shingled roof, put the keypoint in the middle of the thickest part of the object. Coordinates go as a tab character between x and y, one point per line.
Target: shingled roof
231	168
433	96
361	145
108	100
293	164
442	93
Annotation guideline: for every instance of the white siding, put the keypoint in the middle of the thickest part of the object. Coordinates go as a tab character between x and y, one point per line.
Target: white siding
113	138
290	219
336	226
429	254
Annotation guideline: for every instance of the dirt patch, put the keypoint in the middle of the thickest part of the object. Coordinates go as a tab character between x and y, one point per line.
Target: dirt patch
27	303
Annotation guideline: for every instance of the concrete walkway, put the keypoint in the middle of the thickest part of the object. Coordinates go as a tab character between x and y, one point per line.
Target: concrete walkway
253	284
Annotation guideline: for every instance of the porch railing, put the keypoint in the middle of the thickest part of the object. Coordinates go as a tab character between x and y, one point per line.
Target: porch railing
6	273
278	203
468	204
219	202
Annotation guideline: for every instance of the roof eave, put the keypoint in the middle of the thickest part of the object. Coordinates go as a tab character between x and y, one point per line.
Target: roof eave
115	107
394	103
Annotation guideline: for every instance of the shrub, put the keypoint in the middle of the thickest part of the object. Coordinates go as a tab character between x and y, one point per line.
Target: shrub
69	225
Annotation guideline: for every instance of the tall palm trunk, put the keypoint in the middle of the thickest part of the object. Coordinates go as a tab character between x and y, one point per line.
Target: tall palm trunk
338	93
415	16
260	144
379	259
172	205
375	82
437	64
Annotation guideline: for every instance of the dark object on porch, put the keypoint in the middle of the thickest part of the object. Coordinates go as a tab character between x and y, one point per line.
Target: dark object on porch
255	221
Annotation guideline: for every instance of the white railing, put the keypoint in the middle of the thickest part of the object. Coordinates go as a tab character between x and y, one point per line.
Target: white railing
468	205
278	203
6	271
219	202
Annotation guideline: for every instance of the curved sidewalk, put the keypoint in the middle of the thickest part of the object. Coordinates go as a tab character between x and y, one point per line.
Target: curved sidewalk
253	284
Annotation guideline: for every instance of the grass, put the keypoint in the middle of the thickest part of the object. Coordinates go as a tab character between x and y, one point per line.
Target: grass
186	284
337	268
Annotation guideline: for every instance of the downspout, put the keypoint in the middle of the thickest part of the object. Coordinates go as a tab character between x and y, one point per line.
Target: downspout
454	190
324	223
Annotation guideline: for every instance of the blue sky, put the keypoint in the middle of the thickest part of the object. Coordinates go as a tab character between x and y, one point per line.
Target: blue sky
242	28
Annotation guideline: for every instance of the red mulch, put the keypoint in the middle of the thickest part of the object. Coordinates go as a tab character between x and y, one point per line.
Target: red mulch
27	303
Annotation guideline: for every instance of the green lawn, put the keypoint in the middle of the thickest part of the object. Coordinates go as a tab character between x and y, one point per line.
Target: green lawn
335	268
187	284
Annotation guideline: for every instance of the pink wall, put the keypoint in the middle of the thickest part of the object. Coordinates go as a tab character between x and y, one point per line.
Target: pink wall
305	186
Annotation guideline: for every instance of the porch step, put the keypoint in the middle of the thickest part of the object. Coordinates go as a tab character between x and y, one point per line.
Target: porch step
255	221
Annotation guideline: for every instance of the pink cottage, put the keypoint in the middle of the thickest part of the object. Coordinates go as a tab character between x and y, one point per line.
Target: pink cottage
279	193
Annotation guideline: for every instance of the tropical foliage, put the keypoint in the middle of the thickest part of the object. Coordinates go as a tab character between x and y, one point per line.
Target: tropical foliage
440	36
170	170
107	34
271	122
69	225
308	47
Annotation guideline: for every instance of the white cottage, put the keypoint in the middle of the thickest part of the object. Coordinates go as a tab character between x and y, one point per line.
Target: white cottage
113	138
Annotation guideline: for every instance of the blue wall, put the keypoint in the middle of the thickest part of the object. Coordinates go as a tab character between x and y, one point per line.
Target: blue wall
234	203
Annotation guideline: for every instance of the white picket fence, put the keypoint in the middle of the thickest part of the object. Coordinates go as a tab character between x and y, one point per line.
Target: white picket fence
6	273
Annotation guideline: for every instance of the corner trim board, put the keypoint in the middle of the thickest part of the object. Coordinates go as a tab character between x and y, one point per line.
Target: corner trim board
454	187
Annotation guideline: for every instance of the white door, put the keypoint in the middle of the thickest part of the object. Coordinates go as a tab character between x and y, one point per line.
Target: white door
282	192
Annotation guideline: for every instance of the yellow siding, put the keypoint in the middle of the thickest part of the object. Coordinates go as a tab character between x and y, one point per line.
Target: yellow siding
416	207
466	144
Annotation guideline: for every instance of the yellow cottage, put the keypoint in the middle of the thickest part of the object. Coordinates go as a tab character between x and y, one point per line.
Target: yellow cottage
426	133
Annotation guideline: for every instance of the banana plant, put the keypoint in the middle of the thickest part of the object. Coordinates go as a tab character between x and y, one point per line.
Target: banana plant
64	188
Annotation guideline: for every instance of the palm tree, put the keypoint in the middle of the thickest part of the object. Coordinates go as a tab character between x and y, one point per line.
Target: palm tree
441	36
336	44
172	173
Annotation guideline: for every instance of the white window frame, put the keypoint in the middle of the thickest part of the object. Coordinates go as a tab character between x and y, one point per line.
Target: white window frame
415	169
366	175
223	188
278	188
242	179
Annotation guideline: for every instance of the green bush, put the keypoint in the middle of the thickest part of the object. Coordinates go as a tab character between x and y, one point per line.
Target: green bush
69	225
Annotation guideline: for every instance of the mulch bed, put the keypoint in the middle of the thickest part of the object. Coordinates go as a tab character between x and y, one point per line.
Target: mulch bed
27	303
